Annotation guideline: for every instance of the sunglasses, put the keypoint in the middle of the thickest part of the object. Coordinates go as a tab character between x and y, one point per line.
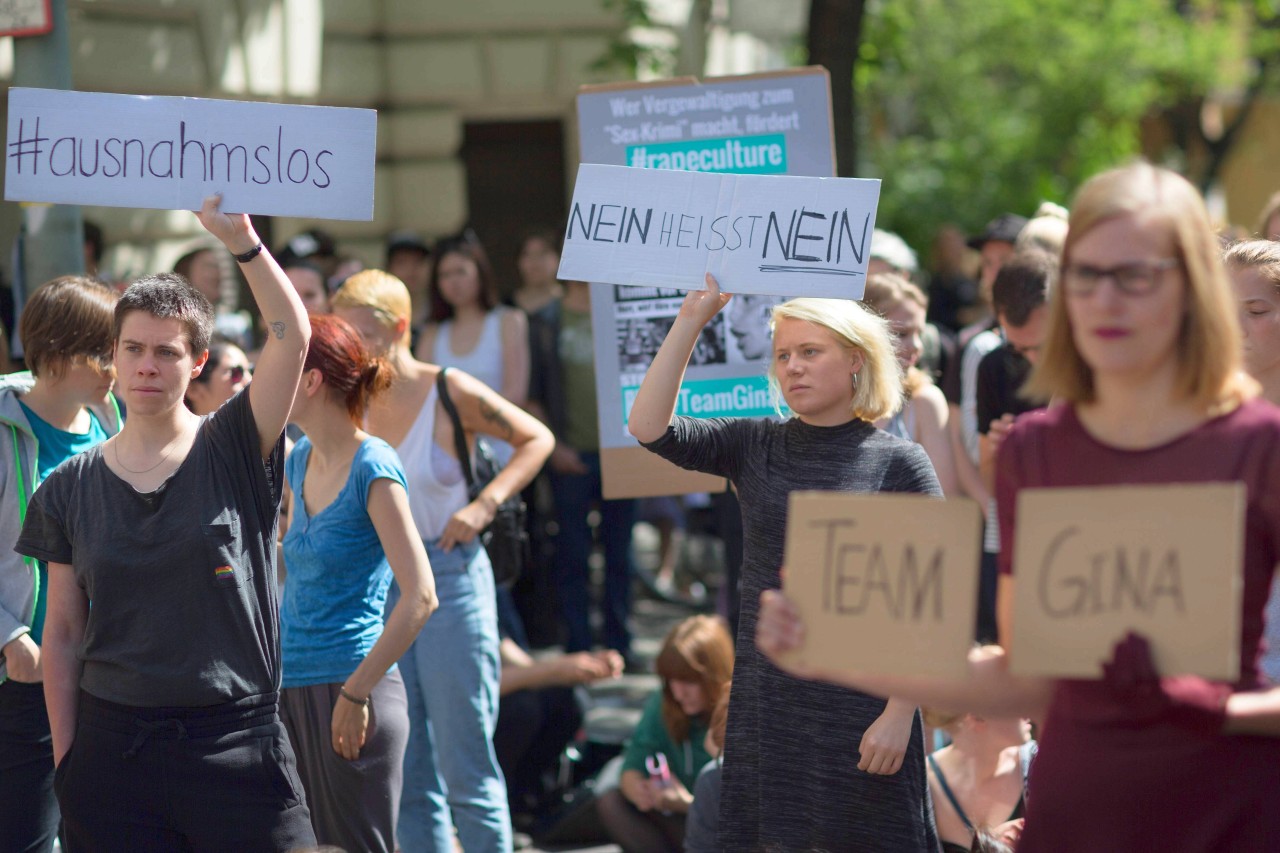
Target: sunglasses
238	372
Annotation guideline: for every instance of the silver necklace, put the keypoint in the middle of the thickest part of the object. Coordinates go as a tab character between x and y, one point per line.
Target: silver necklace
115	448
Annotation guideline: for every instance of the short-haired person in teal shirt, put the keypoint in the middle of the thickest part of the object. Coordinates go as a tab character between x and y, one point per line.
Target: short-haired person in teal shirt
61	407
349	532
666	752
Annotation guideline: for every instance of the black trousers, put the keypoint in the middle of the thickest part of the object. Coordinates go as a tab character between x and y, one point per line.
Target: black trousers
28	809
181	779
534	727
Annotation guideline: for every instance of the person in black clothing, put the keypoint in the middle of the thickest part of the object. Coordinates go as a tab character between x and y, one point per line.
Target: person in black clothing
1019	296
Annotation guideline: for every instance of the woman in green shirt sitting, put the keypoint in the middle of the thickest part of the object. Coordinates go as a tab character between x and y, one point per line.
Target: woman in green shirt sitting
647	811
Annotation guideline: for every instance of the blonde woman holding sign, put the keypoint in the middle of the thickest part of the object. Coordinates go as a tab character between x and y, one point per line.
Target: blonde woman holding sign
807	766
1144	353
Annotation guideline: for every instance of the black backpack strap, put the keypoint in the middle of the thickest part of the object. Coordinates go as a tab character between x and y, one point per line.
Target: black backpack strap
459	435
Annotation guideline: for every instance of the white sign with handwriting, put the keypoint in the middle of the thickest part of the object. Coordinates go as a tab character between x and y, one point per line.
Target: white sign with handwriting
169	153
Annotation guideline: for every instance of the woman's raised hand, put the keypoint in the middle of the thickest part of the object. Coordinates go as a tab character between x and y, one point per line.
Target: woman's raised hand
233	229
701	305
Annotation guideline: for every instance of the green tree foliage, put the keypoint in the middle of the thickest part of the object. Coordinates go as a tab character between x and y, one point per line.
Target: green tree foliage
977	107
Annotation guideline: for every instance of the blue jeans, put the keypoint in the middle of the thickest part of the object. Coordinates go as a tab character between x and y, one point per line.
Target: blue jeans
574	496
451	772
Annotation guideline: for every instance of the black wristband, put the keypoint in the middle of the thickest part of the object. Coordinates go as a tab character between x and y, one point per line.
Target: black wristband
249	255
342	691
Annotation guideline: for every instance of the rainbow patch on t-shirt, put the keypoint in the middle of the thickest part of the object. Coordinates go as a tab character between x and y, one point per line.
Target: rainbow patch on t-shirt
223	573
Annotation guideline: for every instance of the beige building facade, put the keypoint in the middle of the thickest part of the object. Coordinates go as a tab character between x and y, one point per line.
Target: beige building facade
456	83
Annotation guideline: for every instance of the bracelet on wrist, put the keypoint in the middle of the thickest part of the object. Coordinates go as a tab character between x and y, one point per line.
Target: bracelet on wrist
249	255
363	703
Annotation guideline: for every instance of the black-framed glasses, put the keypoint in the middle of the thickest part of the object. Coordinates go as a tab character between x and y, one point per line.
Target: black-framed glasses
1135	279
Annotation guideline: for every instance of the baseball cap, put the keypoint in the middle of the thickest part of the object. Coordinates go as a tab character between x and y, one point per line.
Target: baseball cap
1004	228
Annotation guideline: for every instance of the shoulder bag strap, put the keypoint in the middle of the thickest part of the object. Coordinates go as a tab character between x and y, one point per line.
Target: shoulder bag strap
946	790
459	435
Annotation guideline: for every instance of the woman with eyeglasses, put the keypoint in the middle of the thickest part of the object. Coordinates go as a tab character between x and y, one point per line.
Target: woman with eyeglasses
1143	356
224	375
62	406
470	330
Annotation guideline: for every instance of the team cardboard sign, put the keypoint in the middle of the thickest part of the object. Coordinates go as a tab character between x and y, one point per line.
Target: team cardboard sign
884	583
1091	564
170	153
775	235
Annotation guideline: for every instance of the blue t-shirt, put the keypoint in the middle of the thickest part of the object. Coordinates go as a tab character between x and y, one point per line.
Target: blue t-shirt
53	447
337	574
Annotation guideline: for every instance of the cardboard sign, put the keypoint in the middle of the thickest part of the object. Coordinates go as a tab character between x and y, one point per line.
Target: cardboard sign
1091	564
884	583
774	235
169	153
777	123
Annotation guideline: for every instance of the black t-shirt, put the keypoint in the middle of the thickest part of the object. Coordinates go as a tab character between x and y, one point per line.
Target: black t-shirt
181	581
1001	373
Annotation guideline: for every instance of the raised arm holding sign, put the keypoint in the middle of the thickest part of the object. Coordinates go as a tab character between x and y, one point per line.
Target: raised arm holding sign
1143	355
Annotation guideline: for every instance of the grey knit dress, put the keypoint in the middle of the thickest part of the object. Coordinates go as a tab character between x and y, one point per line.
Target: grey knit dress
791	781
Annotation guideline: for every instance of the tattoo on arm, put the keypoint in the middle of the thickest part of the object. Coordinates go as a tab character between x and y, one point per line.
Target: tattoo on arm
278	328
493	415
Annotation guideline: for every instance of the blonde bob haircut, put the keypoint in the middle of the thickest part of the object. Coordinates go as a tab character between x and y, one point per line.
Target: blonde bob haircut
878	392
1209	344
381	292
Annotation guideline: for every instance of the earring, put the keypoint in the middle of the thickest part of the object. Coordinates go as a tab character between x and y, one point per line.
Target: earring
855	380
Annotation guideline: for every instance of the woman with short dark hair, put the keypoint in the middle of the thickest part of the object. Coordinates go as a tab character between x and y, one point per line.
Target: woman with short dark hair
168	685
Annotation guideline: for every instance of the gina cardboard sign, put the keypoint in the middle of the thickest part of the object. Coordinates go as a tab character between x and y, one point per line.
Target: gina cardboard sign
1092	564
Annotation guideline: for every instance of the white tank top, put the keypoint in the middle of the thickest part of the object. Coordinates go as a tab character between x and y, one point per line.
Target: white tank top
484	362
431	502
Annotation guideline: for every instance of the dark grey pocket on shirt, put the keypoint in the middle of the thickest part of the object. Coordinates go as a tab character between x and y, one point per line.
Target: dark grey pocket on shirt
224	555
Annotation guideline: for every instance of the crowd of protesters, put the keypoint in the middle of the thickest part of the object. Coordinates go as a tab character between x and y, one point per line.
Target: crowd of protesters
217	636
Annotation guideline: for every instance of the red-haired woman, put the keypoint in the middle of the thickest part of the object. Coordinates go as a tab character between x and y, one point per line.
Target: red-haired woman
349	531
665	754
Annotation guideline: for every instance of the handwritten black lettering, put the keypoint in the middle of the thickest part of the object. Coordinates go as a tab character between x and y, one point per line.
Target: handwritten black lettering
681	231
71	155
84	172
106	149
799	235
601	222
257	155
151	159
229	150
633	225
306	166
327	180
1075	582
182	152
142	155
